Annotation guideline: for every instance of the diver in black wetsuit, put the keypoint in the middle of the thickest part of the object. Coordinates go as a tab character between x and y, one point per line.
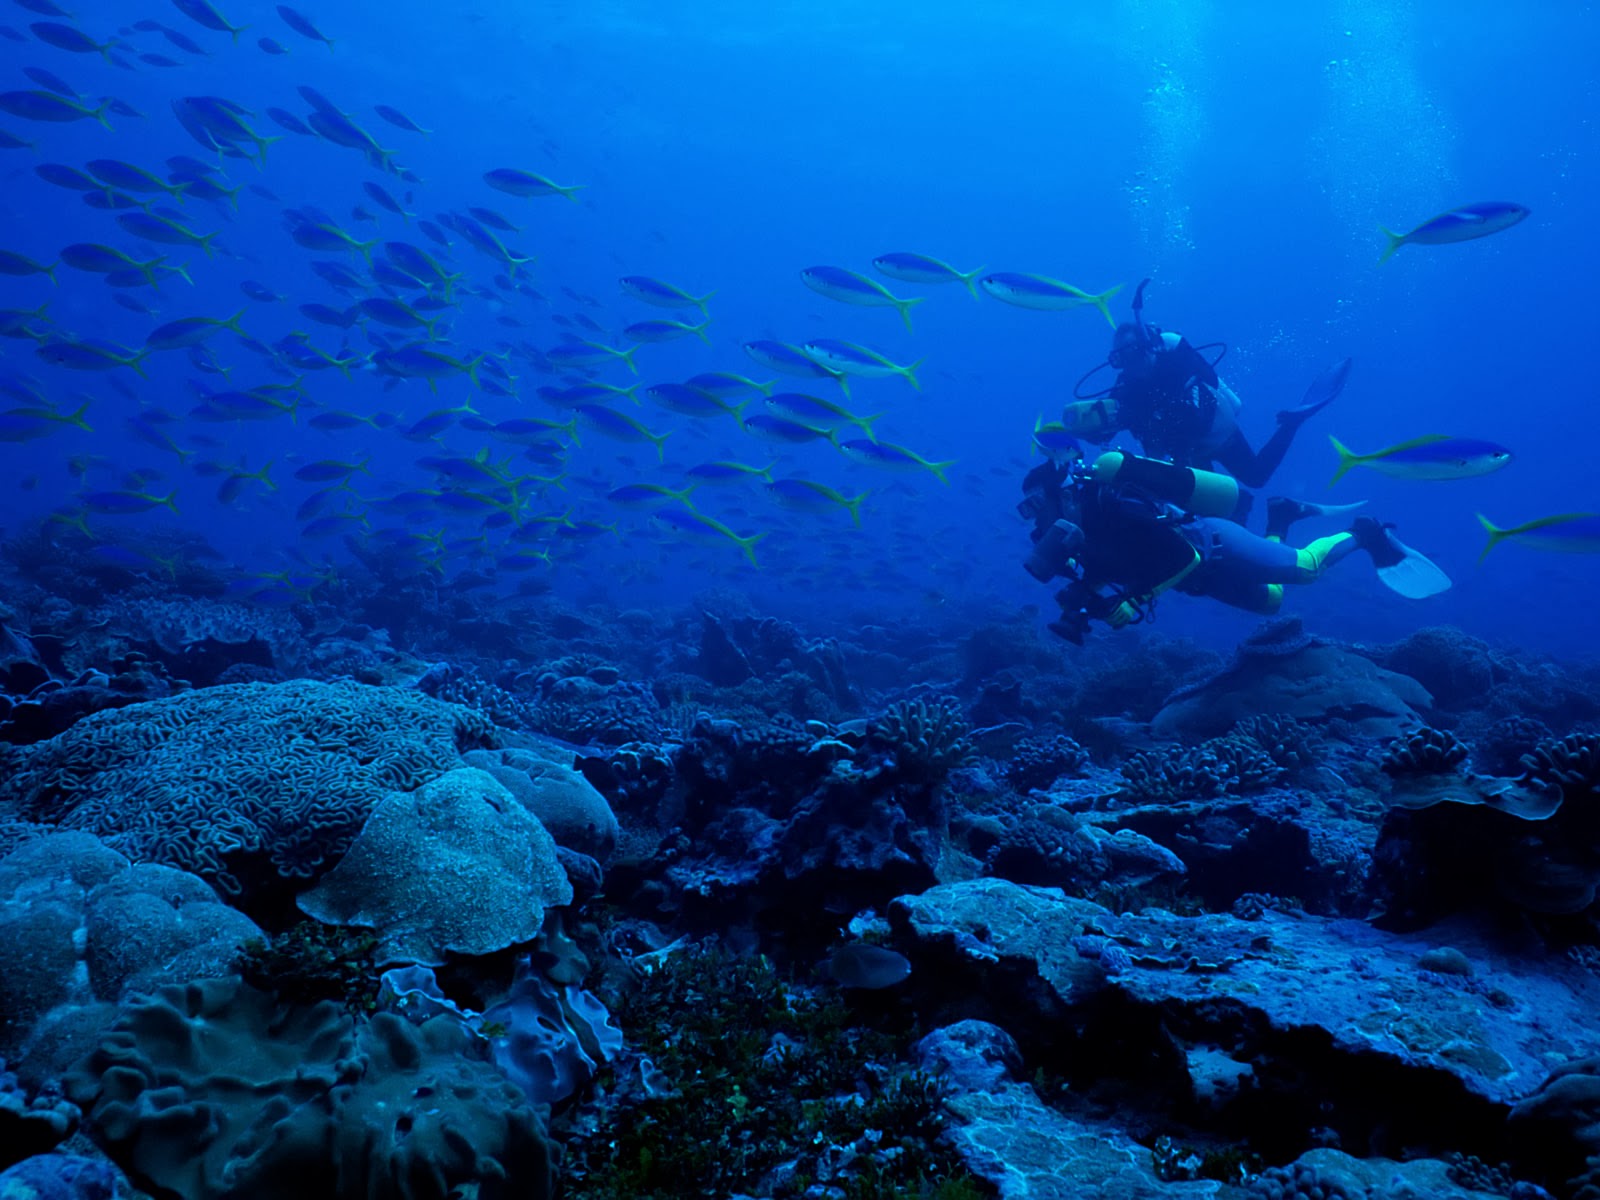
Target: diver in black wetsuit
1123	530
1168	395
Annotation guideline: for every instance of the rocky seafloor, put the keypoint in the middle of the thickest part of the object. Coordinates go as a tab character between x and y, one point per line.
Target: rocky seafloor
428	895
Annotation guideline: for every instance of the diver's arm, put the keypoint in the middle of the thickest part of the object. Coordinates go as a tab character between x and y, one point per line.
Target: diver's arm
1132	609
1092	420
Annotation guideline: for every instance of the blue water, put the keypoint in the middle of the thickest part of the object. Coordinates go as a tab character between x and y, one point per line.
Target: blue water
1242	157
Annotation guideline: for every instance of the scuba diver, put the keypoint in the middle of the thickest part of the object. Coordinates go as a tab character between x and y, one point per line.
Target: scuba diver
1168	395
1123	530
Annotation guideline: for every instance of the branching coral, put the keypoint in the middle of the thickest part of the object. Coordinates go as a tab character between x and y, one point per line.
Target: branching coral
1424	751
927	739
1224	766
1039	762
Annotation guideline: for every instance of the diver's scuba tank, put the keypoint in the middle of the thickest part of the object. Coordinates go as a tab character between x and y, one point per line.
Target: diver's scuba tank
1198	493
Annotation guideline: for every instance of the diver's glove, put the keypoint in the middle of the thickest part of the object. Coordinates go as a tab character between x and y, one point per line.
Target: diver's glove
1124	614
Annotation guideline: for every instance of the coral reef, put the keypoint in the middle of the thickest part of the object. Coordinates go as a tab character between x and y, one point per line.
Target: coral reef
216	1090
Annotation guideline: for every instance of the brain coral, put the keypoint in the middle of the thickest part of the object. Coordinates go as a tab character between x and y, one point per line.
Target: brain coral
247	785
456	865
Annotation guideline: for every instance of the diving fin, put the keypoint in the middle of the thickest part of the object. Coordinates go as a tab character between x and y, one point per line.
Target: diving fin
1324	390
1400	568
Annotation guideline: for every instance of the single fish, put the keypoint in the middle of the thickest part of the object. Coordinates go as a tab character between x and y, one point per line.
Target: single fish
727	472
268	46
47	106
621	427
153	228
120	504
202	13
662	294
398	119
260	292
71	39
493	220
1462	224
1434	457
528	184
1564	533
665	331
284	119
884	454
781	429
847	358
847	287
1057	444
1043	294
383	199
648	495
302	25
684	523
190	331
727	386
919	268
12	263
330	471
809	496
819	413
690	401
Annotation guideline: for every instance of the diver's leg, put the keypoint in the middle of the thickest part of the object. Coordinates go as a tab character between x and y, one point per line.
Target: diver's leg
1242	556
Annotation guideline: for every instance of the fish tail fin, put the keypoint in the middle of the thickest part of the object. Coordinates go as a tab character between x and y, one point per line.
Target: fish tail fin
905	307
1347	460
135	363
170	500
700	302
1396	240
970	278
205	244
571	193
766	388
844	383
631	392
853	506
264	477
471	368
910	373
660	440
177	190
865	425
182	270
51	271
627	357
700	331
766	472
99	114
748	545
233	321
1496	535
1105	309
75	417
683	497
939	468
